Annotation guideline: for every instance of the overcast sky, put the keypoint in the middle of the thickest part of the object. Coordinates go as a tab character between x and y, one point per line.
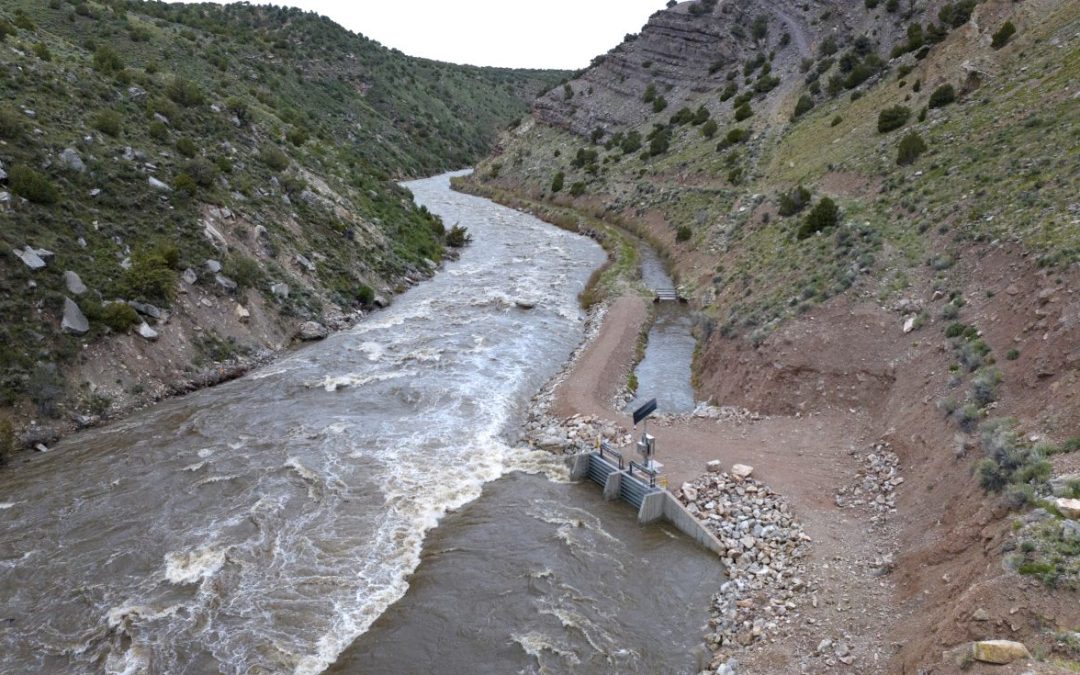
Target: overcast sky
512	33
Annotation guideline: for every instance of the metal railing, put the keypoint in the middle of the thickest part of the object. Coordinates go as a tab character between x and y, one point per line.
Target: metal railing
606	449
645	470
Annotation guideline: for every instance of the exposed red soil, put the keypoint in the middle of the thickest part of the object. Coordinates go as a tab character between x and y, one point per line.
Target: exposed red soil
839	378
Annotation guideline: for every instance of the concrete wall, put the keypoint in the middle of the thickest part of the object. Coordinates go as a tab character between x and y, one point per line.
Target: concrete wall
664	505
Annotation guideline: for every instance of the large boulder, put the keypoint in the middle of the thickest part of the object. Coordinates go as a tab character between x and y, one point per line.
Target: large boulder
742	471
158	185
312	330
146	309
70	159
74	320
146	332
29	258
1070	508
74	284
999	651
225	282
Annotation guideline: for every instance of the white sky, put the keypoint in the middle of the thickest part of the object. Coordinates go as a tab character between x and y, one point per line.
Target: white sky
511	33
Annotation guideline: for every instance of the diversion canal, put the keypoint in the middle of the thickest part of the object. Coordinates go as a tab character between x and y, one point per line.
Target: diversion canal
286	522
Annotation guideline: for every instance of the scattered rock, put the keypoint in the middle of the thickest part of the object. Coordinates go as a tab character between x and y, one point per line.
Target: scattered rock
242	313
74	320
742	471
312	330
145	331
280	289
999	651
909	324
225	282
146	309
1070	508
981	615
70	159
158	185
74	284
189	276
30	258
305	263
213	266
381	301
714	466
525	303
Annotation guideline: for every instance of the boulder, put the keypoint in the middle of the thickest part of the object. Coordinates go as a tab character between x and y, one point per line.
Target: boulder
1070	530
714	466
690	492
70	159
225	282
909	324
1059	485
29	258
525	303
3	174
1070	508
158	185
74	284
312	330
74	320
242	313
742	471
146	309
213	266
305	263
189	276
381	301
280	289
999	651
146	332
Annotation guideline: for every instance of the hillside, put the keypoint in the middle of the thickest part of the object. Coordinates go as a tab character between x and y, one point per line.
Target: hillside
872	207
190	183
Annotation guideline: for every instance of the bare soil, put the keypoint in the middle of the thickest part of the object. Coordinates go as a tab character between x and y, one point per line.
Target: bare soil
827	386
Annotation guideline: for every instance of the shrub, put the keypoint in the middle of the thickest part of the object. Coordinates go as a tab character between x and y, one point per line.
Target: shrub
185	185
736	136
11	124
31	185
911	146
274	158
108	122
701	116
893	118
836	121
185	92
709	129
683	233
557	182
684	116
743	112
297	136
41	50
119	317
823	216
577	189
186	146
244	271
659	142
158	131
1012	354
942	96
632	143
202	171
984	386
1001	37
107	61
458	237
658	104
794	201
152	275
239	109
828	46
730	90
804	106
650	94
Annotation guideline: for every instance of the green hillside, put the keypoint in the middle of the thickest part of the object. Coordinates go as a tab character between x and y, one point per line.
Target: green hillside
138	140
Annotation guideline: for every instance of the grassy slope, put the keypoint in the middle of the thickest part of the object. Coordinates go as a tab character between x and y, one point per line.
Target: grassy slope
348	114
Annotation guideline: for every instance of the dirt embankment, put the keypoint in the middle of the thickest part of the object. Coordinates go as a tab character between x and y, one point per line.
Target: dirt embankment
899	571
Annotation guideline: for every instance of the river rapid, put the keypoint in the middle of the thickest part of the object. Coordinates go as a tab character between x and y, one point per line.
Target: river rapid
265	525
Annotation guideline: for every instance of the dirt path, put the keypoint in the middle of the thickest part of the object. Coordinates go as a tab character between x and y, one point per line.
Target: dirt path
808	459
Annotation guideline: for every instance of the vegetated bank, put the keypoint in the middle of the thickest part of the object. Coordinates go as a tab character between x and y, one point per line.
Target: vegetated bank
184	186
873	209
